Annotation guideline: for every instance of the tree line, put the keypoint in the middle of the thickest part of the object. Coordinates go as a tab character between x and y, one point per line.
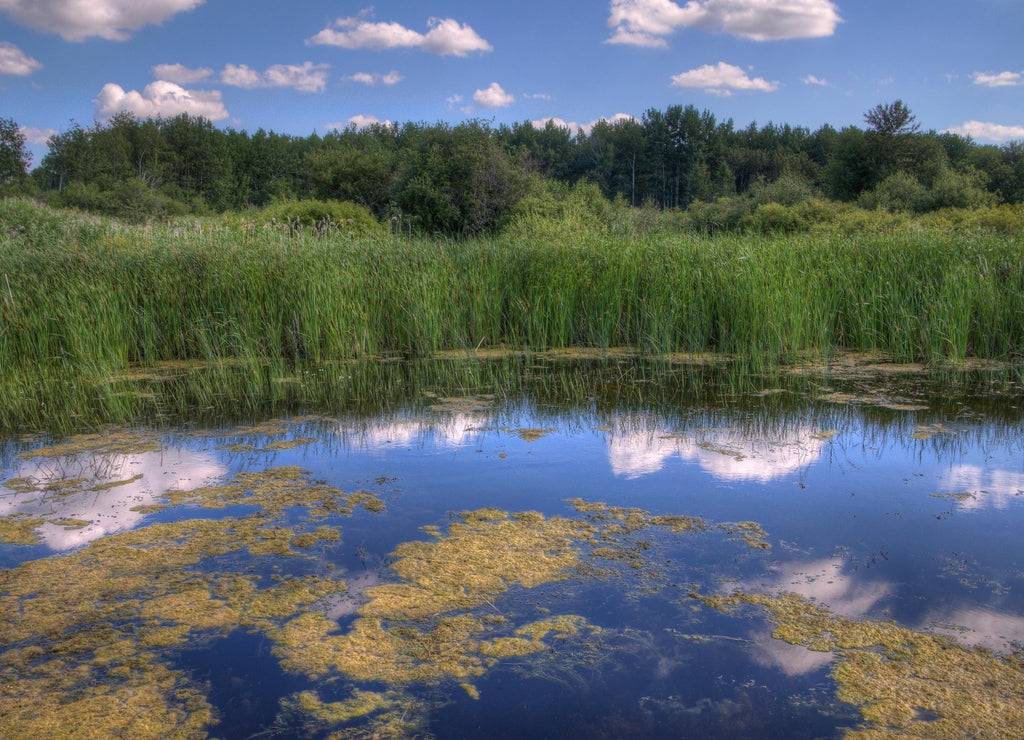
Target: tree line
466	178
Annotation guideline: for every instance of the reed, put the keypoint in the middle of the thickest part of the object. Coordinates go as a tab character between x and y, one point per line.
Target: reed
84	298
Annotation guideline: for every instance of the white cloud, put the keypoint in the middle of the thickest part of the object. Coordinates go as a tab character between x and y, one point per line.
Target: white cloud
648	22
446	37
358	121
309	78
13	61
573	126
376	78
722	79
160	98
987	131
180	74
812	80
493	97
1001	79
77	20
35	135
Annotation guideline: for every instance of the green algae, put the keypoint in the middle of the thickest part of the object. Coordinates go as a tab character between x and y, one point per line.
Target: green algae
20	529
84	633
906	683
109	442
275	490
94	627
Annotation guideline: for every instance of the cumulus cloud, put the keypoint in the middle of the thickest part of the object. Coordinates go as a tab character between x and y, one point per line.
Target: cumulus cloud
995	132
648	22
309	78
573	126
160	99
35	135
13	61
812	80
493	97
722	79
180	74
75	20
376	78
1000	79
445	37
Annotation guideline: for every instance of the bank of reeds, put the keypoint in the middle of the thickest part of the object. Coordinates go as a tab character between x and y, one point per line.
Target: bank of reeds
87	297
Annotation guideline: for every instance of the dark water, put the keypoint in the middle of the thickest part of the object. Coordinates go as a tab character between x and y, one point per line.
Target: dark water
878	509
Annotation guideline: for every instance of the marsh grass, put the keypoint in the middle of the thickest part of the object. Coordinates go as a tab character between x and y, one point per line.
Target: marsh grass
83	299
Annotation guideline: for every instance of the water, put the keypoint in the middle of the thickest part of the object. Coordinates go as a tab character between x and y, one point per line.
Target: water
899	506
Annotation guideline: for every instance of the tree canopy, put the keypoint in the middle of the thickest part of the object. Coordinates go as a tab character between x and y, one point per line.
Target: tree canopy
467	178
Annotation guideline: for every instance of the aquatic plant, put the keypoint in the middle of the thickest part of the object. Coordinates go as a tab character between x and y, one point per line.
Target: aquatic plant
89	305
906	683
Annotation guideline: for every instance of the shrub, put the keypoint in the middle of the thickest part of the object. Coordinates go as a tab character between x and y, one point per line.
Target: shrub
320	217
899	192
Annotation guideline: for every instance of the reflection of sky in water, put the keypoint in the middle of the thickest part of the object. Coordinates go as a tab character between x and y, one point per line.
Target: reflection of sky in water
853	518
727	454
989	487
109	509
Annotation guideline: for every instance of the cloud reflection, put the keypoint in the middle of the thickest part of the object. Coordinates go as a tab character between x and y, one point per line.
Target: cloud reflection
824	582
991	488
727	454
109	488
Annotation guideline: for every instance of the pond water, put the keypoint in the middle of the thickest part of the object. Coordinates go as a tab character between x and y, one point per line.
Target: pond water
828	559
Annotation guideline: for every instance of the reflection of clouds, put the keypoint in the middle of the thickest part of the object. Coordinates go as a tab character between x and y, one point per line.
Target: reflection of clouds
824	582
727	454
980	627
449	430
107	507
992	487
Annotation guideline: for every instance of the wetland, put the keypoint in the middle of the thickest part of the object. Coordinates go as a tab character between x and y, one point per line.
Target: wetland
540	545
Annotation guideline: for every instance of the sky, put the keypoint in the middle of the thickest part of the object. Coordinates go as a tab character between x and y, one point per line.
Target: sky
310	66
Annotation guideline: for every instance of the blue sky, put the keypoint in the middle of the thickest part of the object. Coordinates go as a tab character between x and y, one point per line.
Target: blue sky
313	65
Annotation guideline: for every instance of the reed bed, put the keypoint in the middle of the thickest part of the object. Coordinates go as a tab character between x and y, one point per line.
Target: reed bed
84	298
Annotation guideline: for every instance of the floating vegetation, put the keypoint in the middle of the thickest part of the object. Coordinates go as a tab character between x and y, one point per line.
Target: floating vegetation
927	431
907	683
108	442
83	632
276	489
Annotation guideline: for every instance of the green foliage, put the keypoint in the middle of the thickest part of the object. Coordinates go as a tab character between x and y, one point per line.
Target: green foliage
132	200
467	179
14	157
900	191
320	217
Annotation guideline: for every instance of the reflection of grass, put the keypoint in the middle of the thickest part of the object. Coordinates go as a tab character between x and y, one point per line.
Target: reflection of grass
908	684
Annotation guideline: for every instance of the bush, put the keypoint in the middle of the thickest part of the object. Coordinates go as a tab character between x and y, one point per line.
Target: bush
900	192
132	200
789	189
320	217
723	214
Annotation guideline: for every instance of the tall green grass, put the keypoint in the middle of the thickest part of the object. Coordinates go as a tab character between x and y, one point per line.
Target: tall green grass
82	298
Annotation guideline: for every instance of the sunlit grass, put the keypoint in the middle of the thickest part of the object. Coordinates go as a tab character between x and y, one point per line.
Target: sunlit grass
83	299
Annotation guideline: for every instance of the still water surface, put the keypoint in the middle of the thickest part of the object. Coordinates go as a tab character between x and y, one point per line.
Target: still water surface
880	511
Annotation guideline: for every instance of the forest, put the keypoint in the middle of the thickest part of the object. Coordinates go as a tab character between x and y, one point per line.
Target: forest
473	177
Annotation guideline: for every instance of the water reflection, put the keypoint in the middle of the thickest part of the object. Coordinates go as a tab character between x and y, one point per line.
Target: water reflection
86	497
728	454
987	487
826	581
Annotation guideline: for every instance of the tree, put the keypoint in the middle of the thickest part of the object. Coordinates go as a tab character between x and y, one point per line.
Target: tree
892	119
14	157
